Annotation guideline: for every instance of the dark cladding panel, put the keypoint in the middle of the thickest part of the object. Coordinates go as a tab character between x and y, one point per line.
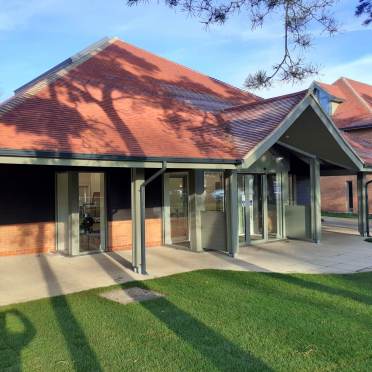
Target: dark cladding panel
26	194
154	195
118	194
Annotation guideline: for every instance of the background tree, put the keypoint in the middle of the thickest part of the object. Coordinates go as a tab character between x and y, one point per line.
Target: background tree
299	19
364	8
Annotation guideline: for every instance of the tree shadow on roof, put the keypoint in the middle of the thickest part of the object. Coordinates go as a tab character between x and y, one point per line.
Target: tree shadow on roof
120	102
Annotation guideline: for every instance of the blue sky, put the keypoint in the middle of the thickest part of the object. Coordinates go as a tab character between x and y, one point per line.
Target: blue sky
37	34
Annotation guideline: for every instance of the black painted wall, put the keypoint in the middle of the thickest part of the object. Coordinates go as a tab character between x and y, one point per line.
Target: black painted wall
119	195
26	194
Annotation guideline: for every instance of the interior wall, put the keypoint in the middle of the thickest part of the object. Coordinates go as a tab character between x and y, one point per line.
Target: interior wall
27	213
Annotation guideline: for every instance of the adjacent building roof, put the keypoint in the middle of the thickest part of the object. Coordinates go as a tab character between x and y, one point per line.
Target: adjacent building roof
355	111
361	144
353	114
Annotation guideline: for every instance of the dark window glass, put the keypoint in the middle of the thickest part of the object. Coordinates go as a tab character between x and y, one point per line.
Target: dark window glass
349	191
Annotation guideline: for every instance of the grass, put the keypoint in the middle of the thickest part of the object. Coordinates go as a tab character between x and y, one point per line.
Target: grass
339	214
368	240
209	321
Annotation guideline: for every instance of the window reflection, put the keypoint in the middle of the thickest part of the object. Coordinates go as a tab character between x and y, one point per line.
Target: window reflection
214	191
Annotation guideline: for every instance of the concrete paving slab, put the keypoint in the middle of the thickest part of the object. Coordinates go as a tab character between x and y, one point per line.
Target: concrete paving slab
126	296
25	278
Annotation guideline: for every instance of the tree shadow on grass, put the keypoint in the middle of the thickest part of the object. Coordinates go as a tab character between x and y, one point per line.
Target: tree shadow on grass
311	285
262	286
214	347
82	355
13	338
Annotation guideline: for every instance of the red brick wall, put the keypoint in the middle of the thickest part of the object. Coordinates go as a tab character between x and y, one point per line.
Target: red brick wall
33	238
27	238
334	193
333	189
120	234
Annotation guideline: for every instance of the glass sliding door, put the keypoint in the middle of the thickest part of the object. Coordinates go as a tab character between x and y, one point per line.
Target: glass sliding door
256	198
259	206
91	212
178	208
80	212
241	208
273	199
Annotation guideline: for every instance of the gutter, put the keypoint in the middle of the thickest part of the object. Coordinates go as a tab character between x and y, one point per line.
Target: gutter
143	215
356	127
42	154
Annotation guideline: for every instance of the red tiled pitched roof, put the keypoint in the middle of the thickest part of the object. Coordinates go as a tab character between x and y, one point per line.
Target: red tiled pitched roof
356	108
362	146
333	90
355	112
123	101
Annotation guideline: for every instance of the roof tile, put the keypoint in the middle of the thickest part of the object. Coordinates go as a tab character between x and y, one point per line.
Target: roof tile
123	101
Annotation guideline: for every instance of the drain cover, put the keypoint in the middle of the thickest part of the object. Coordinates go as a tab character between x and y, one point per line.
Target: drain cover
129	295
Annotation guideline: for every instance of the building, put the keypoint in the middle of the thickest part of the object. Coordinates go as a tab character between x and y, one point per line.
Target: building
117	148
349	102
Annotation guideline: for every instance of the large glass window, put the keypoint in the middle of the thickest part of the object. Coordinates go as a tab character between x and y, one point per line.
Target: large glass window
349	196
91	211
214	191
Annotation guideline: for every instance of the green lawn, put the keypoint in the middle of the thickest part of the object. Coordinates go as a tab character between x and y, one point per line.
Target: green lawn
209	320
339	214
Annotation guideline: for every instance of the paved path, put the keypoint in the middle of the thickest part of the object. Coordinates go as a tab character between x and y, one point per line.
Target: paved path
24	278
337	222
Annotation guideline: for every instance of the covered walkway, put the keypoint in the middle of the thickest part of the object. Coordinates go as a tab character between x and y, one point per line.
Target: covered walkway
32	277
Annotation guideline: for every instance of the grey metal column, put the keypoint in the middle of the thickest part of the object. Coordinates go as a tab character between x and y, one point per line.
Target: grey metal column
138	177
231	211
196	200
316	213
362	204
